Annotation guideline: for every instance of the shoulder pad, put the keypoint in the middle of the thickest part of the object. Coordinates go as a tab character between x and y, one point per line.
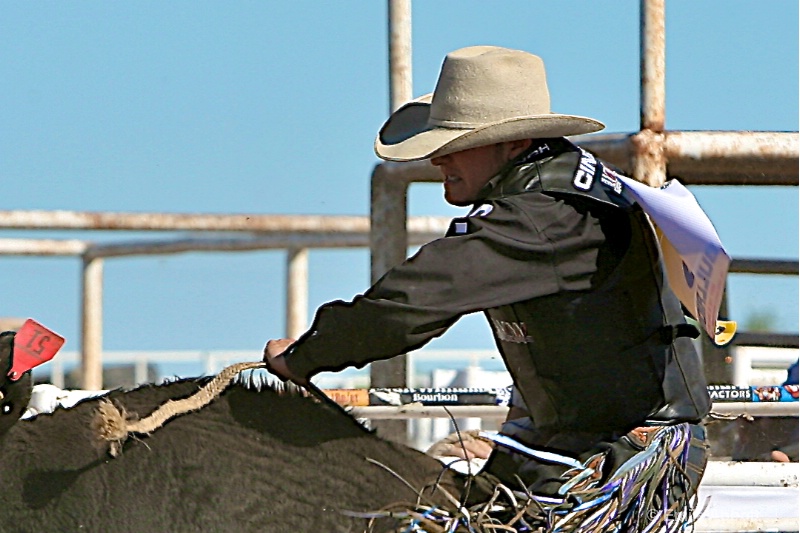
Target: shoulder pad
581	174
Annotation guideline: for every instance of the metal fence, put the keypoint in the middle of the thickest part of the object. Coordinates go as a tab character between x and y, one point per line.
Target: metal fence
652	155
293	233
767	486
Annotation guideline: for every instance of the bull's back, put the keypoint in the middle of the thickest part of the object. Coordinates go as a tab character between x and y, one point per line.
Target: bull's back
249	461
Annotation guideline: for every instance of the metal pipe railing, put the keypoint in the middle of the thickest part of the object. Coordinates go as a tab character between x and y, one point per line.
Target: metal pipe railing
296	292
400	83
496	412
249	223
763	266
710	157
651	155
422	230
92	325
649	163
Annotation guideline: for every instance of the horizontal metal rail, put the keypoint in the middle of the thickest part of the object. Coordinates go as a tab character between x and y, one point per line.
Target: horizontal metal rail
76	220
752	474
764	266
710	157
280	240
43	247
295	234
247	223
389	412
743	525
766	339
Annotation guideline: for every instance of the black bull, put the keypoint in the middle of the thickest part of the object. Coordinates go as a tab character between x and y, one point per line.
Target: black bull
252	460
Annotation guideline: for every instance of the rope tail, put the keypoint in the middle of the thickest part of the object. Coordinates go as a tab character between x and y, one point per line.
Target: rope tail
112	424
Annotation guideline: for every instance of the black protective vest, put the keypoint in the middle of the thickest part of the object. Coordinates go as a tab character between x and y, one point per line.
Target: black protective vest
626	357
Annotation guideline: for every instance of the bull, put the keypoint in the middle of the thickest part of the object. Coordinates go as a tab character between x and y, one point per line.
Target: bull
253	459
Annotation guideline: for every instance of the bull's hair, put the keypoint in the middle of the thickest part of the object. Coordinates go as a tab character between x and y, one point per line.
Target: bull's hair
256	380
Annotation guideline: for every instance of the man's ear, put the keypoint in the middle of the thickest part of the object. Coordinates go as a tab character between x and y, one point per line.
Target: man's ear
517	147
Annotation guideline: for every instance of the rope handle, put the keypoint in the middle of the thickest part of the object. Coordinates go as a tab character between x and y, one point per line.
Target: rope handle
112	424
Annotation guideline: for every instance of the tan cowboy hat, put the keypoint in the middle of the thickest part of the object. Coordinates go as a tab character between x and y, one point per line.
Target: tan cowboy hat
485	95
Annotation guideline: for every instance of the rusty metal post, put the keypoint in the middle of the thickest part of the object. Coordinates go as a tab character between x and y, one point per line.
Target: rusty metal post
296	292
92	325
650	161
717	361
400	85
389	239
140	371
653	65
649	164
389	221
389	245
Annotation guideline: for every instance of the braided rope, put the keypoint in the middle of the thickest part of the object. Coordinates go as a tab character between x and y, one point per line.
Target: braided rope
113	425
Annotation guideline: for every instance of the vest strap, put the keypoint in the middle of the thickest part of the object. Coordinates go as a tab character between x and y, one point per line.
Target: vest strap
668	334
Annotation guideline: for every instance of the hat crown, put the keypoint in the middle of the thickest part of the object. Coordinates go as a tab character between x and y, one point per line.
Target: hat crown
484	95
484	84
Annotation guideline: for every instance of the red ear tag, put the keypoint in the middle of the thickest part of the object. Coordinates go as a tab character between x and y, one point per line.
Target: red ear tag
34	344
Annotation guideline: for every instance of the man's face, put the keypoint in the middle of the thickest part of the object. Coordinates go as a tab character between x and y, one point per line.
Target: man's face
466	172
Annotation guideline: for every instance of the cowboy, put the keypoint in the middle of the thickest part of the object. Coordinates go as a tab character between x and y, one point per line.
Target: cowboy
561	261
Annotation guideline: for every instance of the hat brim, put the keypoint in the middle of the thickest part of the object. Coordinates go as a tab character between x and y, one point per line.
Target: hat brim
407	136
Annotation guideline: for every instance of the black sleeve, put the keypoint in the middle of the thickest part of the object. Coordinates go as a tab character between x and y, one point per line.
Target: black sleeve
511	250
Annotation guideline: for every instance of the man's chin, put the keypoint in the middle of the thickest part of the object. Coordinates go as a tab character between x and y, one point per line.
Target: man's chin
458	202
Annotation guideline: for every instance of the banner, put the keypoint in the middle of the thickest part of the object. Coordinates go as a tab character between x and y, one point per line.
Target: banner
446	396
696	261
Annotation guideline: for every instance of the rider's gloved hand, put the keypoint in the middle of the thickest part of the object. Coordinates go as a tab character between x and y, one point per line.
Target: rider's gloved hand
274	357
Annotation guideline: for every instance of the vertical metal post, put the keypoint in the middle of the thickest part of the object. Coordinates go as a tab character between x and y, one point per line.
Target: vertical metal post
400	86
388	216
92	325
140	371
717	362
649	163
389	247
653	65
650	160
296	292
388	220
388	227
57	373
210	364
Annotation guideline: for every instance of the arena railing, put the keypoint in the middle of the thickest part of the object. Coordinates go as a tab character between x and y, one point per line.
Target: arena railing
246	232
723	482
652	155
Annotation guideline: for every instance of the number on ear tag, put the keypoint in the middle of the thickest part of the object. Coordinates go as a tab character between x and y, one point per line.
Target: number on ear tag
34	344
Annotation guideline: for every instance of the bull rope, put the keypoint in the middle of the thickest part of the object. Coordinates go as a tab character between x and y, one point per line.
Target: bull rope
111	422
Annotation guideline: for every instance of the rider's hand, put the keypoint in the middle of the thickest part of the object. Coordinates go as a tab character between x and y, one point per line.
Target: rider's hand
276	362
465	445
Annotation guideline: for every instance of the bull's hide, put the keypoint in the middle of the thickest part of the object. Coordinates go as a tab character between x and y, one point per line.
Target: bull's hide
250	461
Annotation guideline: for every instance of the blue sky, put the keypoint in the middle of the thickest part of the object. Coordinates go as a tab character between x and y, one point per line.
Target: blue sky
272	107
